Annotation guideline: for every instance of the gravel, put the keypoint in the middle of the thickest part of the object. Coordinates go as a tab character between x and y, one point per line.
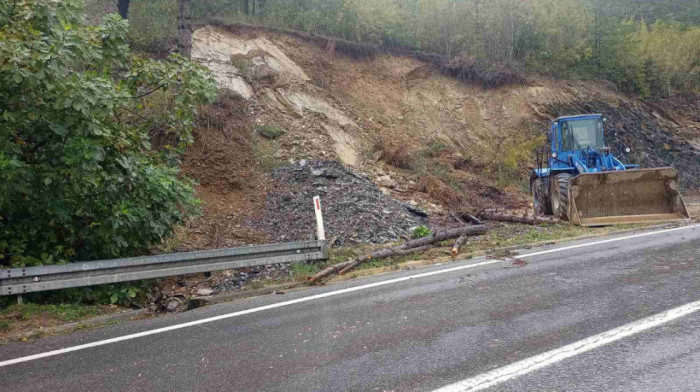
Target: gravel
355	211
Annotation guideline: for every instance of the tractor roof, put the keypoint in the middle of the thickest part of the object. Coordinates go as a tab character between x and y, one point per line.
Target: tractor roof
579	117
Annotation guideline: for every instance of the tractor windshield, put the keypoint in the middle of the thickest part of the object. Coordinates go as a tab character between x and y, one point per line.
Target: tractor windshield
581	134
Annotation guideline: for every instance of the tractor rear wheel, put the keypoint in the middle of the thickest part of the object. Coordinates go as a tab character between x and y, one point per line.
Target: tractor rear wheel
540	195
560	195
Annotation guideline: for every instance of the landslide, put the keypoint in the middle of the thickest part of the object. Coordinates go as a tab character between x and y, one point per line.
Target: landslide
413	136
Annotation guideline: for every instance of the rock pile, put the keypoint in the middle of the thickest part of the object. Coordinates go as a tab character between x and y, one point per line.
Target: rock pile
354	209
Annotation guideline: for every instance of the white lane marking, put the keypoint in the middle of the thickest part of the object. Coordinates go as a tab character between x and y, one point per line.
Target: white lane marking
544	252
307	299
517	369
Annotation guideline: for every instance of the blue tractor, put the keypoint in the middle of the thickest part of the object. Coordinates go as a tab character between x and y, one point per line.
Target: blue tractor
578	178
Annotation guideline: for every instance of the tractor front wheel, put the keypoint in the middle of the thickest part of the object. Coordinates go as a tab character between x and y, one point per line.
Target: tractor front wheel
540	195
560	195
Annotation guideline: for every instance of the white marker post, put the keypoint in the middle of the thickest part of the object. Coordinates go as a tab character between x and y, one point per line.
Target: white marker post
319	219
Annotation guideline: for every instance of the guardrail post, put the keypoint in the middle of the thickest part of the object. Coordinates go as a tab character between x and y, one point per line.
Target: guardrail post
20	300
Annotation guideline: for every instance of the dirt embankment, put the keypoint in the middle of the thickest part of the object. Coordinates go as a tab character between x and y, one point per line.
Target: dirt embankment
418	137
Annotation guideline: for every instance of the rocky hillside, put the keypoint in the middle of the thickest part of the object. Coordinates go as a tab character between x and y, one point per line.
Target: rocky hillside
406	138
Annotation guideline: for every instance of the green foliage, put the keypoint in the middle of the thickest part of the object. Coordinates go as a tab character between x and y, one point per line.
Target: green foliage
434	149
649	47
269	131
421	231
153	25
79	178
302	271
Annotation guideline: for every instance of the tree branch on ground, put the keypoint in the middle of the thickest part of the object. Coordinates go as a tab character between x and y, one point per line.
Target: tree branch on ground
410	247
496	215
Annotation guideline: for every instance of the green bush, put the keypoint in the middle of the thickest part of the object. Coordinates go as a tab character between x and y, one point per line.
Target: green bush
79	179
421	231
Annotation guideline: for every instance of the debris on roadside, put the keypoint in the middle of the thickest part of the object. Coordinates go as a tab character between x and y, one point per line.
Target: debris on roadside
410	247
355	210
496	215
519	262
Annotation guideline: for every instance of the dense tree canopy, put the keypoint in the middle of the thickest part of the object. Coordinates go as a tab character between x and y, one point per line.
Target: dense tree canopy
616	39
80	177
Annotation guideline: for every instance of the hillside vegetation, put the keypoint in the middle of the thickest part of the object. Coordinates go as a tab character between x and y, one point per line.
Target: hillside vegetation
649	47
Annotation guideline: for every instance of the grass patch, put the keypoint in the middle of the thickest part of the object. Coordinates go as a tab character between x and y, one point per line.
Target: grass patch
61	312
434	149
17	319
241	63
266	154
270	132
303	271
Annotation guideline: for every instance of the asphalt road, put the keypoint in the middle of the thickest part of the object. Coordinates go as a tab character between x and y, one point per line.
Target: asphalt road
419	334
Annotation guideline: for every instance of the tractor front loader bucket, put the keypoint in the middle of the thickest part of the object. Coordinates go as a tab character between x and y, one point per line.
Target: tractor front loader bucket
632	196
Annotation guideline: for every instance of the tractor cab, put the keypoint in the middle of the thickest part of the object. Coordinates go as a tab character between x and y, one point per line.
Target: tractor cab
578	143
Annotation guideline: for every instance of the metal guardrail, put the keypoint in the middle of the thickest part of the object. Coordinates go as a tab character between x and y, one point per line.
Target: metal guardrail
18	281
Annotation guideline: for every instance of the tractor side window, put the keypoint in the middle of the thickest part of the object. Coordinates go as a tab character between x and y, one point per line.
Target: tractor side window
567	137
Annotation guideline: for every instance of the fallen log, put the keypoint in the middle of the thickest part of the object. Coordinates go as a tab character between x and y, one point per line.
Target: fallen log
444	235
458	244
380	255
407	248
502	216
472	219
464	218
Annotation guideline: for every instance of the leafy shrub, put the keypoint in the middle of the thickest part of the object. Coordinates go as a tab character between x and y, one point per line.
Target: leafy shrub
421	231
487	74
79	179
125	294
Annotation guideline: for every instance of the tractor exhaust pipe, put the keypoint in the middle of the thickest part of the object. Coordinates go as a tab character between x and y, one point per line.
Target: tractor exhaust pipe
623	197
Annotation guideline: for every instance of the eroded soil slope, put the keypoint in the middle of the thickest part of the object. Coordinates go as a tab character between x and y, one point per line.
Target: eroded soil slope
416	136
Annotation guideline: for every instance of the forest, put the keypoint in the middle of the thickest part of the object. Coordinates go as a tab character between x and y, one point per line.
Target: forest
647	47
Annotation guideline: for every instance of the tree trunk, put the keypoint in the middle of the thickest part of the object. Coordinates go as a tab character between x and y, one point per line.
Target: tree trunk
439	236
407	248
383	254
246	7
458	244
463	218
184	29
502	216
123	8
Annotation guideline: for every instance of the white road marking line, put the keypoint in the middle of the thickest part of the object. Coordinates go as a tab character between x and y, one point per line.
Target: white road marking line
307	299
544	252
520	368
